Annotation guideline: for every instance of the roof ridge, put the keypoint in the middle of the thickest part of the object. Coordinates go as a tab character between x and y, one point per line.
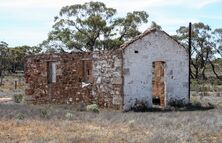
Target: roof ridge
146	32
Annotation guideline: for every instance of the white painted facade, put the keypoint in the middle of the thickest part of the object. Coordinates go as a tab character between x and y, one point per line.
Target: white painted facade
137	69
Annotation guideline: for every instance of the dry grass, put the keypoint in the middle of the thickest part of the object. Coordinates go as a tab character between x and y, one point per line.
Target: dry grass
25	123
66	131
8	91
9	83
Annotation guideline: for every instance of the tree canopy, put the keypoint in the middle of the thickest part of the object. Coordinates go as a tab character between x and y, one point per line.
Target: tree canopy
12	59
203	50
93	26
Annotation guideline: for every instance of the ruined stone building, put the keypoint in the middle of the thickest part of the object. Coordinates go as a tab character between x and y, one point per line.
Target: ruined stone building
151	69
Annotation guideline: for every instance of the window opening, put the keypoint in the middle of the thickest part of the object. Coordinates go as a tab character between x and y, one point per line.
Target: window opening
51	72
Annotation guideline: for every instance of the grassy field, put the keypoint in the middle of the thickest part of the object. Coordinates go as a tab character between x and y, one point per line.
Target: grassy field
63	124
22	123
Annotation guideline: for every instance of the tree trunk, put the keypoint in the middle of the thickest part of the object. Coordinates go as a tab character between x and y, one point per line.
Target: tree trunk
1	82
1	76
203	76
191	74
214	71
196	72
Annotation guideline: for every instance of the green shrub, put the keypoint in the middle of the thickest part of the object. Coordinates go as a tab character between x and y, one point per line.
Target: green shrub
195	101
20	117
18	98
68	115
212	84
206	88
92	108
44	113
131	124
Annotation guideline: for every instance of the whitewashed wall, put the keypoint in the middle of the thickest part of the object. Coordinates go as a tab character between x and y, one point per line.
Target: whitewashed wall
137	70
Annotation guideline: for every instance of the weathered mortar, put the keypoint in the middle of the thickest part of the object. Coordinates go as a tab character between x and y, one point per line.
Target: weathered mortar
107	73
105	86
69	77
122	77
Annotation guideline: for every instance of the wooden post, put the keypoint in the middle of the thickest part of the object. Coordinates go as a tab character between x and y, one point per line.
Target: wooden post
16	84
189	52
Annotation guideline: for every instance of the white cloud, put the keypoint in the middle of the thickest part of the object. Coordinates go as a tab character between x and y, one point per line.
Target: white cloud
141	4
124	4
205	3
23	36
213	17
43	11
170	23
174	21
37	3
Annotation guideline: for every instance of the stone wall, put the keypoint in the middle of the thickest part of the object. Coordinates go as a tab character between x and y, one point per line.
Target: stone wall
107	73
104	86
112	79
69	86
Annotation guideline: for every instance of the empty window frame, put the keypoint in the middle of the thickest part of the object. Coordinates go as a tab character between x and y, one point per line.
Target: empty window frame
87	70
51	72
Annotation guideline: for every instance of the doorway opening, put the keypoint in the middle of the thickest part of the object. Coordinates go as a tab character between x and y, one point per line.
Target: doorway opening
158	83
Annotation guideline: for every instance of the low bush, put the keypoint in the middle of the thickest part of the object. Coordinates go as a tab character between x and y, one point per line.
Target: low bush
92	108
18	98
131	124
44	113
69	115
20	116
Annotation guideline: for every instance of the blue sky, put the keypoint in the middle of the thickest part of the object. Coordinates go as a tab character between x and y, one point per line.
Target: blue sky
27	22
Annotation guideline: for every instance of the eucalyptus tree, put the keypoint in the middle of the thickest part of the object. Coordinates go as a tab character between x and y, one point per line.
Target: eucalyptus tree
93	26
155	25
218	40
3	56
203	47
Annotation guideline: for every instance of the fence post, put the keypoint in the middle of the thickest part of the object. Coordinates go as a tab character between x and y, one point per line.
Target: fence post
16	84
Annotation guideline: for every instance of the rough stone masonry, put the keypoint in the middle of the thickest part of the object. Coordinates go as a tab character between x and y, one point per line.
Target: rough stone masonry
76	78
151	69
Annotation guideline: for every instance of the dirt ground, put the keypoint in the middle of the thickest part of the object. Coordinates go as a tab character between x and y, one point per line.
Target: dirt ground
8	90
63	124
22	123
